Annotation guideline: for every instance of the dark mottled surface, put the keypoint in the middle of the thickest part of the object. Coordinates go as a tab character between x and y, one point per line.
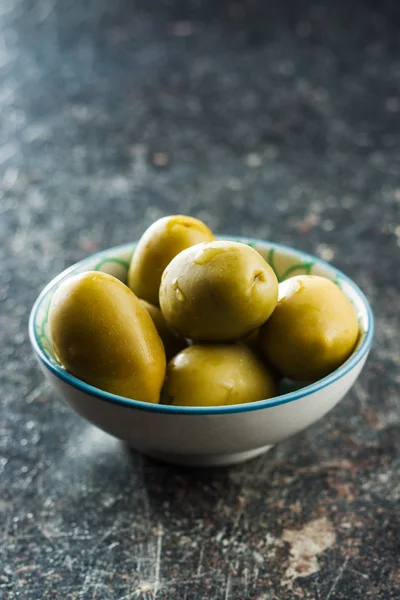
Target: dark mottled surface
274	119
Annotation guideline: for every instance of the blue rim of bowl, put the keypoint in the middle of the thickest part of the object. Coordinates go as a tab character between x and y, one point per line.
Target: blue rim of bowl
80	385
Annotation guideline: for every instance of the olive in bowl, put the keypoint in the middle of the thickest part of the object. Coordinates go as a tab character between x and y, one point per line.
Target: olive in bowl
218	291
102	334
159	244
312	331
217	375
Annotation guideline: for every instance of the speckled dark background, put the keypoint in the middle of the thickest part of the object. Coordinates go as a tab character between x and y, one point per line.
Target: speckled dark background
270	118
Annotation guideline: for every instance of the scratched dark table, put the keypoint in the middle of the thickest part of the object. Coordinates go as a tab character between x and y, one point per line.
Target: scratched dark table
275	119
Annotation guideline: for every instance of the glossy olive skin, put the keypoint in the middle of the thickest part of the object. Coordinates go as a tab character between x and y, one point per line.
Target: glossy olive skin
218	291
312	331
159	244
102	334
217	375
172	343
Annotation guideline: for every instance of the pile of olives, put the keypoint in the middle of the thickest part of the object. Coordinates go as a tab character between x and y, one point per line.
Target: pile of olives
213	309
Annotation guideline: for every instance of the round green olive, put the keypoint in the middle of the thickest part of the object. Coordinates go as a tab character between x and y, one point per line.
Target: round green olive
218	291
312	331
159	244
217	375
102	334
172	343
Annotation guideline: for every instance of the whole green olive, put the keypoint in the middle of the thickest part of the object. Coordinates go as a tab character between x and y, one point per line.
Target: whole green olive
159	244
218	291
102	334
313	329
217	375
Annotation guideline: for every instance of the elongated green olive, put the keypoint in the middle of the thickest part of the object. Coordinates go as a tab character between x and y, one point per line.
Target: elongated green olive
102	334
159	244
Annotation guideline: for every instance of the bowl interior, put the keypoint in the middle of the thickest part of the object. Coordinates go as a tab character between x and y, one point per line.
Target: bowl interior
284	260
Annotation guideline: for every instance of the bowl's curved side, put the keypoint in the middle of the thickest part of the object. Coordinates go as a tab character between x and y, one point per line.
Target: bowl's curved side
205	439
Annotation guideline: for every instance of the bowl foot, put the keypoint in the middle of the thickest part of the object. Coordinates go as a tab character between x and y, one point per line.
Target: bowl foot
207	460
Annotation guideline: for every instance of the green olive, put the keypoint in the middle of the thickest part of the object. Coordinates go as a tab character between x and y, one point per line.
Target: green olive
159	244
313	329
102	334
218	291
172	343
217	375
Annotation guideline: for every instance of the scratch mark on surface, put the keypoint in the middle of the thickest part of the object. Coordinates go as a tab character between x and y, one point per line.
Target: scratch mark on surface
201	554
69	562
246	581
337	578
360	394
36	392
220	535
31	477
363	575
114	527
228	587
144	490
130	595
4	538
113	545
158	559
27	568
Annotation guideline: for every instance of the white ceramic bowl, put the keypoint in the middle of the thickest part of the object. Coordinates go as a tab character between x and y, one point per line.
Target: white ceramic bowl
202	436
